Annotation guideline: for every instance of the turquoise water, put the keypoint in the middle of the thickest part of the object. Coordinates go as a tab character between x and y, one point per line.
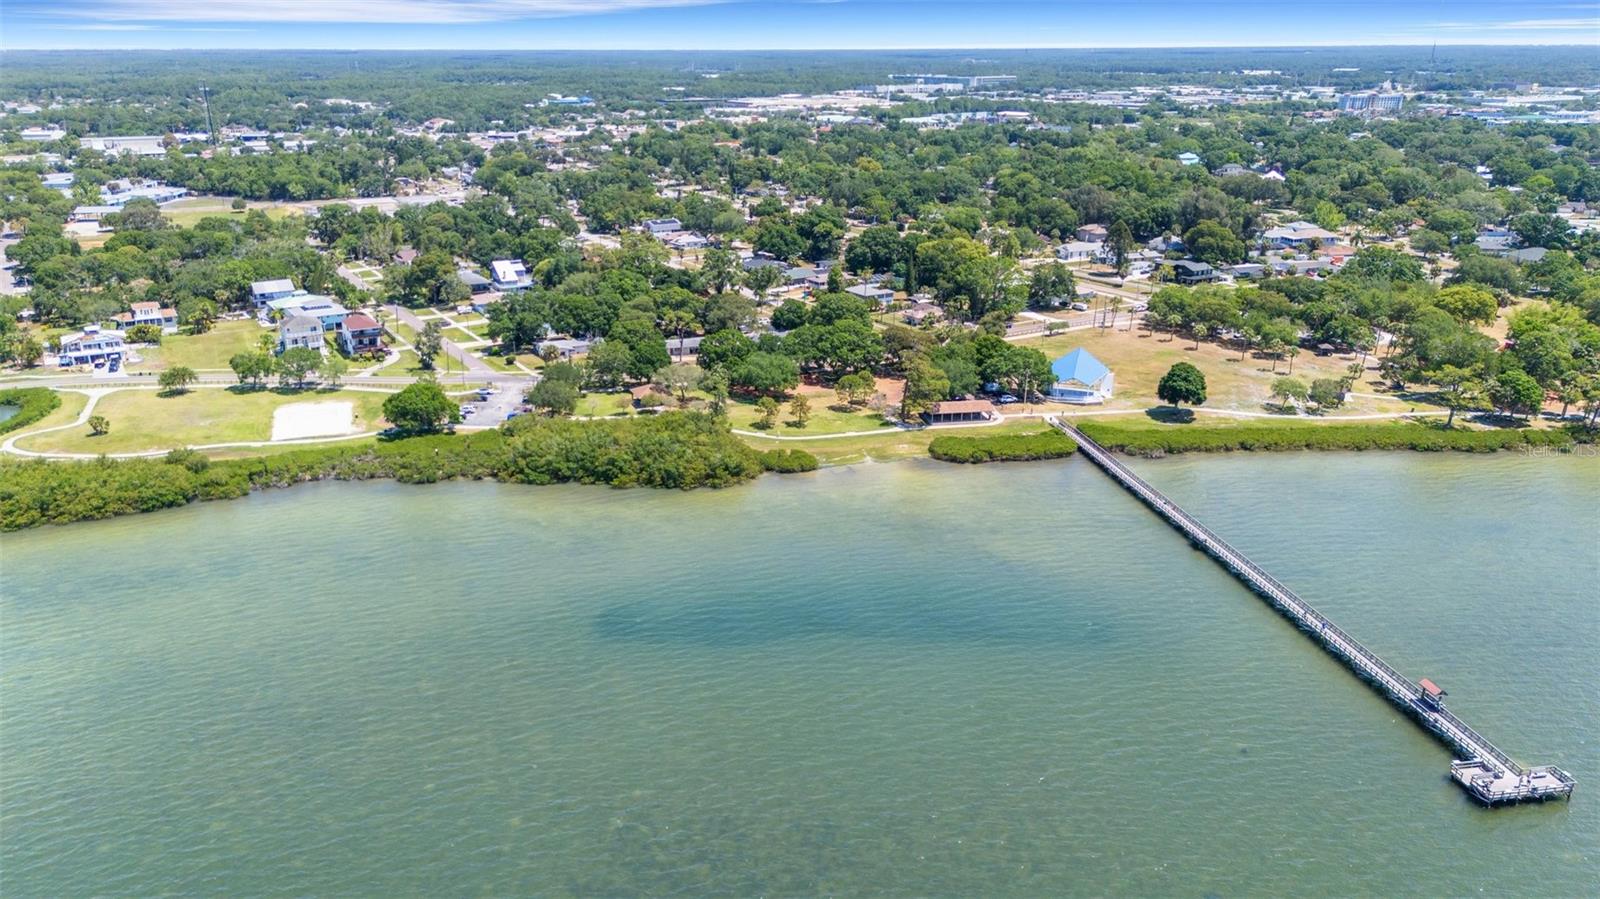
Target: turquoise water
8	411
885	679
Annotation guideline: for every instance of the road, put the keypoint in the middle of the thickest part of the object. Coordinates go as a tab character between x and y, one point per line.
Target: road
473	365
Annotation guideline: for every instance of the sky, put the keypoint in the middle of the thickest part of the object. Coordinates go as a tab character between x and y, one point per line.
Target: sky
785	24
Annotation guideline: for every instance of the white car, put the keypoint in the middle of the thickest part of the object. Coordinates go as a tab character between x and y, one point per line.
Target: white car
1080	307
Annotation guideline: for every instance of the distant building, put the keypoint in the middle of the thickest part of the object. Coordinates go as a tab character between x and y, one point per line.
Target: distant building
359	335
163	317
1295	234
1081	379
1191	271
300	331
658	227
1079	251
91	346
276	289
311	305
1371	103
871	293
1189	158
952	411
510	274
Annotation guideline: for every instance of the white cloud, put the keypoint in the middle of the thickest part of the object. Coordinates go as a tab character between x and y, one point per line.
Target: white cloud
1591	24
370	11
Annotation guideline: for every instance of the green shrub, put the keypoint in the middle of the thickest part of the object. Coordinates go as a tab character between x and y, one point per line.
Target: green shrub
788	461
33	403
1374	436
675	450
1051	444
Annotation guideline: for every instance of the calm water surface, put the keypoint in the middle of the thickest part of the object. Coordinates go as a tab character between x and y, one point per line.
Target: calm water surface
885	679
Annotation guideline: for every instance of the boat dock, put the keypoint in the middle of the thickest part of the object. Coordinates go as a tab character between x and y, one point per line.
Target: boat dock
1487	774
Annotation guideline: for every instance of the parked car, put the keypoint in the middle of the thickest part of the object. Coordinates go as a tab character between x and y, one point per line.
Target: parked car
1006	399
468	409
1080	307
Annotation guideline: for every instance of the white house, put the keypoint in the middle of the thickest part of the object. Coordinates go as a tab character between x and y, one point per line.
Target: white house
163	317
300	331
311	305
1081	379
90	346
1079	251
276	289
1188	159
510	274
872	293
658	227
1296	233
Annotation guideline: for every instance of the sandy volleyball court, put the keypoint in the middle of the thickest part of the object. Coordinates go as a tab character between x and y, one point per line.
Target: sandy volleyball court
298	420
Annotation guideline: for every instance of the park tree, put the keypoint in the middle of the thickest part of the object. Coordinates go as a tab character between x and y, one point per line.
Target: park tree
647	349
1459	389
177	379
1467	303
99	425
609	364
428	345
1515	392
768	407
199	316
553	397
792	314
855	388
715	385
296	365
421	408
333	369
719	268
679	379
766	373
252	365
1289	390
926	384
1183	383
1051	285
761	279
1327	393
724	349
800	408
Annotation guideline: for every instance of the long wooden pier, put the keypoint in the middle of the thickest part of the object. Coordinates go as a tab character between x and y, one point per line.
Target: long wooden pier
1488	774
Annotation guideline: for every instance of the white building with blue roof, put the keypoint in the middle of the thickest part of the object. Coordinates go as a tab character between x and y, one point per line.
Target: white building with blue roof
1081	379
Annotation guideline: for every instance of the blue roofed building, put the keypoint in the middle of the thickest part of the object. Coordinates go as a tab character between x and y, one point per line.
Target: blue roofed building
1081	379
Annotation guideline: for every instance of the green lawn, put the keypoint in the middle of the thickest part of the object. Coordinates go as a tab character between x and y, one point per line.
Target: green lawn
144	420
1139	359
188	213
886	447
406	364
825	418
595	405
212	349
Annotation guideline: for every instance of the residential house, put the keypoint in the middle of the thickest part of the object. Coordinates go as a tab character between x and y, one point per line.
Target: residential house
1092	233
1189	158
163	317
1079	251
1495	245
1296	234
1527	254
1190	271
510	274
921	312
1232	169
91	346
872	293
360	335
658	227
276	289
311	305
406	256
476	283
300	331
688	240
1081	379
951	411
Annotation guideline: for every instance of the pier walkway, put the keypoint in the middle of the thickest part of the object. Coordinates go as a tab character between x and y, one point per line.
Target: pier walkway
1488	774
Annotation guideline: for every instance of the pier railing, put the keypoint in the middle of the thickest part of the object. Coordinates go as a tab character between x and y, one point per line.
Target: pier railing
1503	780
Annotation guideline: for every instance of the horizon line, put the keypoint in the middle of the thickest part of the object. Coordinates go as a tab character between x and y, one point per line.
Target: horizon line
601	49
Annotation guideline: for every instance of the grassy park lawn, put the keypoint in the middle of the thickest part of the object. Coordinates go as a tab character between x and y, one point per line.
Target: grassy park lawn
401	330
143	420
1139	359
889	446
186	213
212	349
600	405
825	419
406	364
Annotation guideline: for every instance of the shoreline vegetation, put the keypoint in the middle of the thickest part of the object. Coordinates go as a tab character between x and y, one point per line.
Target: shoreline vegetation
33	403
1194	438
683	451
1050	444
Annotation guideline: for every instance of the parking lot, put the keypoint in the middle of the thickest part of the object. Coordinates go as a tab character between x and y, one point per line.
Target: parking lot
488	413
